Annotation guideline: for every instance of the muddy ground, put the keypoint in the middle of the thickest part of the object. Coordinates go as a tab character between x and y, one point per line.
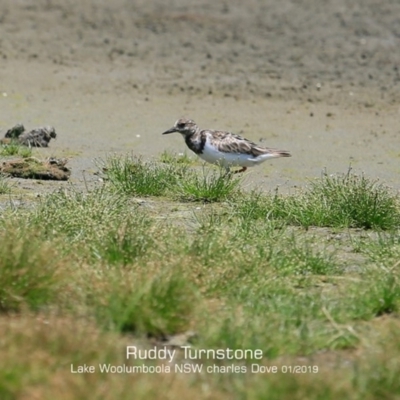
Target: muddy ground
320	78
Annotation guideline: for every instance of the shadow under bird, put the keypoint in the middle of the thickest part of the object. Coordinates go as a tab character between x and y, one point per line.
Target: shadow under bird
223	148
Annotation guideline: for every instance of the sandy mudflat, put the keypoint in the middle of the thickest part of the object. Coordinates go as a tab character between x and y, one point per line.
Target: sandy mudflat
318	78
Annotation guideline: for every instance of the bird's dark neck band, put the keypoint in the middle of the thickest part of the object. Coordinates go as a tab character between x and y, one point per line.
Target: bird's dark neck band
195	143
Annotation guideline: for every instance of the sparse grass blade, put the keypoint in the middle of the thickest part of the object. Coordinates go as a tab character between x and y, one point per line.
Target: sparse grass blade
167	157
384	250
209	186
381	295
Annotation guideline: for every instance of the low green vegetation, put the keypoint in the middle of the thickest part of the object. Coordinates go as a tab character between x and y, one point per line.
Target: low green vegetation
343	201
15	149
347	200
133	176
154	305
83	275
28	270
208	186
4	185
181	158
173	178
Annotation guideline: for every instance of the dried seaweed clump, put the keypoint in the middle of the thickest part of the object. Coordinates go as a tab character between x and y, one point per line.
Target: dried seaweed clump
32	168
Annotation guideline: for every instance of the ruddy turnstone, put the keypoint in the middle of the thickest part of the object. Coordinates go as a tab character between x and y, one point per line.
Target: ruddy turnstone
223	148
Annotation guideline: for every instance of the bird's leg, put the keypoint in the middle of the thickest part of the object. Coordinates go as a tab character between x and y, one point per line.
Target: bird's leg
240	170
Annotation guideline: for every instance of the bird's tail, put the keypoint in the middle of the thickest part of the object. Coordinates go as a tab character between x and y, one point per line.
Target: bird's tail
280	153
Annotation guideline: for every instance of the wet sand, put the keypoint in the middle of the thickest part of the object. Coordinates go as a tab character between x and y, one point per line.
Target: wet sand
320	79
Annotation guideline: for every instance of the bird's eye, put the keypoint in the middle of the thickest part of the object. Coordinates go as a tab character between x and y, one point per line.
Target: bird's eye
181	125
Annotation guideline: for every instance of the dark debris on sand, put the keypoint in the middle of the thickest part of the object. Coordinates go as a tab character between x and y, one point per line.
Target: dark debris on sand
38	137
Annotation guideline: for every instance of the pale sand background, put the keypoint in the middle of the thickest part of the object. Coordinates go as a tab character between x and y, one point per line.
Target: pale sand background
318	78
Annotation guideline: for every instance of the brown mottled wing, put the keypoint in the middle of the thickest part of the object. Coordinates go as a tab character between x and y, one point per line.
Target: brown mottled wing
231	143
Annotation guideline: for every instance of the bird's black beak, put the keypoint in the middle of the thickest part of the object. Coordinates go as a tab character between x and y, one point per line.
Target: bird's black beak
172	130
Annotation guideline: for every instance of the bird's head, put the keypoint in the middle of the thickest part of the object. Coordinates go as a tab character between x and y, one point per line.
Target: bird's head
184	126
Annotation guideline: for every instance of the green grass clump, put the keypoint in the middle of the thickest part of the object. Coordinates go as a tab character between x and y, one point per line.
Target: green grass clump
278	319
240	255
28	269
382	294
78	216
385	295
348	200
133	176
4	185
14	148
126	241
208	186
105	226
154	305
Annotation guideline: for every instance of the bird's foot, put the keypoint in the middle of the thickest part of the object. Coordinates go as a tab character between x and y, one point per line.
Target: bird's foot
240	170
